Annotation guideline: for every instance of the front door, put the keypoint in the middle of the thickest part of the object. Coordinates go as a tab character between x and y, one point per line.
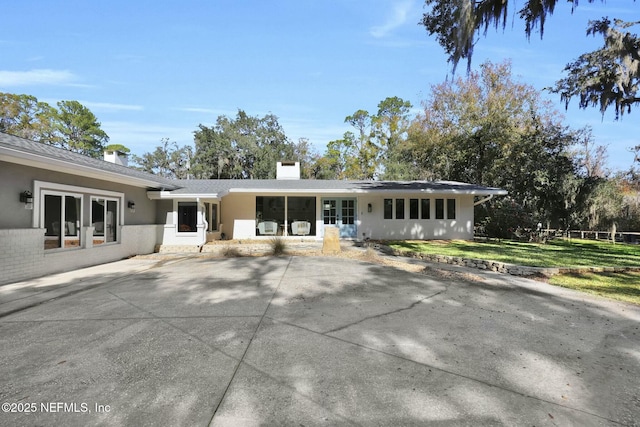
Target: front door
342	214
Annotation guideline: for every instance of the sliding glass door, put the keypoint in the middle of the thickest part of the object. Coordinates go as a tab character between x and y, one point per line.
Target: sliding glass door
62	215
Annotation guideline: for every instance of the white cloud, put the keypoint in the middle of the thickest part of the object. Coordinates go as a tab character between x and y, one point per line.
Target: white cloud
36	77
396	19
204	110
107	106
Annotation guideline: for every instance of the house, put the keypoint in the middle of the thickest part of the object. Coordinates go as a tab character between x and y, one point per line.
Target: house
61	210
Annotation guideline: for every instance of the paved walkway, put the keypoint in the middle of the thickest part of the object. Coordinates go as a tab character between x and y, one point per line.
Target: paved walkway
311	341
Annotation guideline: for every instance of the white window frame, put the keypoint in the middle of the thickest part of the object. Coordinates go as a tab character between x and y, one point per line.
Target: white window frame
103	238
208	207
79	223
43	187
176	213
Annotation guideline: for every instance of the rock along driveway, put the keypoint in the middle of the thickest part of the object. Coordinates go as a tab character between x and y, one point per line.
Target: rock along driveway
310	341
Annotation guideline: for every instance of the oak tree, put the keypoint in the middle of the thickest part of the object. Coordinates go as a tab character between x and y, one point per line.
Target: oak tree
606	77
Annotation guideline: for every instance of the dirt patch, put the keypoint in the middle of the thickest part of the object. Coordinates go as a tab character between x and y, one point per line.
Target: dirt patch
372	256
452	275
360	254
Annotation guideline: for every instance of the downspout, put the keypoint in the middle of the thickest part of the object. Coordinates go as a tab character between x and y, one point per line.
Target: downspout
481	201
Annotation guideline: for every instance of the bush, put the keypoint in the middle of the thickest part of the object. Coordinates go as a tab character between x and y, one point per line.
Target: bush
230	252
278	246
504	219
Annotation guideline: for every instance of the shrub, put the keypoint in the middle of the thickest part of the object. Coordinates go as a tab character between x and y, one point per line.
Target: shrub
231	252
278	246
504	219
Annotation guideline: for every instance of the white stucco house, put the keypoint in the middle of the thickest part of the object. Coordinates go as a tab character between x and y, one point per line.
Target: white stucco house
61	210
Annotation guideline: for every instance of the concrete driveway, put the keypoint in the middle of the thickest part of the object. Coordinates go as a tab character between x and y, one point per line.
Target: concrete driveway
310	341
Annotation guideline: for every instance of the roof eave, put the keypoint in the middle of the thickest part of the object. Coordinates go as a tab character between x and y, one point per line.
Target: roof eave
168	195
58	165
192	195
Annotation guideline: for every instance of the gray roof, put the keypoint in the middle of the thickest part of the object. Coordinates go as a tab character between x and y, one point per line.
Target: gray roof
222	186
50	152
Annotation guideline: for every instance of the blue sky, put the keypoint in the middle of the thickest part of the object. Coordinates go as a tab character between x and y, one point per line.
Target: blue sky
157	69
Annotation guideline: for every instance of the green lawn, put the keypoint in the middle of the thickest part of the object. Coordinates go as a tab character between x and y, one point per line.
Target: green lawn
624	286
556	253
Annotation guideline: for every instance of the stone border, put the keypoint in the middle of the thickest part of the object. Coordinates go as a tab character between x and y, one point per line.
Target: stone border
497	266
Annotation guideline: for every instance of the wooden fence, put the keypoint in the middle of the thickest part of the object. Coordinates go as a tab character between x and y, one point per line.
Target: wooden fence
620	236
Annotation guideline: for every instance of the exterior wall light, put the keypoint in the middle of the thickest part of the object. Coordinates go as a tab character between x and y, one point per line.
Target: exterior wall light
27	198
132	206
369	208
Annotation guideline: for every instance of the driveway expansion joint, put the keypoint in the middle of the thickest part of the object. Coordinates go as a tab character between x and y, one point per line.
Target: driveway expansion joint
450	372
375	316
246	350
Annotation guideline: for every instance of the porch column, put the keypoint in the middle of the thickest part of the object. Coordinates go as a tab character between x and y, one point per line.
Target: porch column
286	216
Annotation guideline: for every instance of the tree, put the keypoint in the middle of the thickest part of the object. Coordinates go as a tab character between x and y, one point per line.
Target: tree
590	157
605	206
117	147
471	126
72	126
608	76
326	166
242	148
78	129
26	117
374	149
347	158
391	125
167	160
304	153
360	150
491	130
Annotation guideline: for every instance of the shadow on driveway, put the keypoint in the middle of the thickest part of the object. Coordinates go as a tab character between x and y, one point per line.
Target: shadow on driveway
311	341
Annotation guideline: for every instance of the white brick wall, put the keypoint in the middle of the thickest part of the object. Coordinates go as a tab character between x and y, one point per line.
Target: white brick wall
22	254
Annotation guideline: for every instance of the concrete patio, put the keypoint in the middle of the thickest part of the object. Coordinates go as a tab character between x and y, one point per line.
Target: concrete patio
311	341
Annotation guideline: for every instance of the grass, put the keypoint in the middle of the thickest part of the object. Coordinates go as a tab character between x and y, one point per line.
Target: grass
278	246
622	286
556	253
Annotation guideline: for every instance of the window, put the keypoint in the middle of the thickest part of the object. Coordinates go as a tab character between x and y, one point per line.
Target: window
388	208
329	212
451	208
348	212
104	220
301	209
211	216
63	211
439	208
62	219
269	215
426	208
413	208
187	217
399	208
213	222
301	216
